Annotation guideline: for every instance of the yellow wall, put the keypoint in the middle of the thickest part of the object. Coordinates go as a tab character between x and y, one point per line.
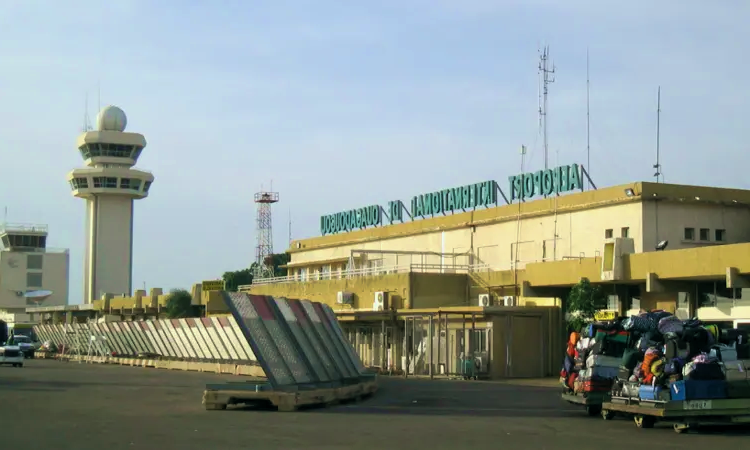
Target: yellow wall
324	291
432	290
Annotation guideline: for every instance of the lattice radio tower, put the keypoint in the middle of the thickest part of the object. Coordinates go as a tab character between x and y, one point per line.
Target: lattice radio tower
264	233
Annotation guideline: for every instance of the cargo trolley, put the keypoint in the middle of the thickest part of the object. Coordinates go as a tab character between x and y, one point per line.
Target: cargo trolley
683	415
593	401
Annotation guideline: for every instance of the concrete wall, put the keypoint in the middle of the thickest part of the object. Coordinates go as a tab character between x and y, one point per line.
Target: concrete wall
13	278
109	232
667	220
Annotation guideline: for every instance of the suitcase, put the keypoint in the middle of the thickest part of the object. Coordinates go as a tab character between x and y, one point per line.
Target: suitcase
597	385
698	390
655	393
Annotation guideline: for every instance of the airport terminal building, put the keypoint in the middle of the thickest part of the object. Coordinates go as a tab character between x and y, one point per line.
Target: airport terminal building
490	256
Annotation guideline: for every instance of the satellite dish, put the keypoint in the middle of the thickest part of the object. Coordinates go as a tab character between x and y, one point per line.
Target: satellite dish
37	296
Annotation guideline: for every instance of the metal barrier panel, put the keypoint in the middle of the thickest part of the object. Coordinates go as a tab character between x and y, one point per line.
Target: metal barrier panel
337	344
325	339
345	343
183	338
306	326
212	337
171	333
234	327
253	328
127	341
148	336
105	342
218	328
203	341
307	350
114	338
138	337
283	339
188	326
165	346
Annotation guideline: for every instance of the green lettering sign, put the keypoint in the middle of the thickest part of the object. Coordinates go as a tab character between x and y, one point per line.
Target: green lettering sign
454	200
369	216
546	182
450	201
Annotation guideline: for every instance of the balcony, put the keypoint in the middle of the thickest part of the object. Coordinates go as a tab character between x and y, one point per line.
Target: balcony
368	272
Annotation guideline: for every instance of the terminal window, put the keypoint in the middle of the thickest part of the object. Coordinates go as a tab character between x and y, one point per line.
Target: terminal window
689	234
146	186
720	235
33	279
34	262
705	233
625	232
608	233
110	150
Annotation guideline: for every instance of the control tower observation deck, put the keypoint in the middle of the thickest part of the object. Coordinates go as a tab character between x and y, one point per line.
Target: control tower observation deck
109	184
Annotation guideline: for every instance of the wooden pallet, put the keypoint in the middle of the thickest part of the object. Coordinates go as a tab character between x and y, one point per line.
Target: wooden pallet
216	398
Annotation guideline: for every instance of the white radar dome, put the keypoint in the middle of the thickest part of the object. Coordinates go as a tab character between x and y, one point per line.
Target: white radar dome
111	118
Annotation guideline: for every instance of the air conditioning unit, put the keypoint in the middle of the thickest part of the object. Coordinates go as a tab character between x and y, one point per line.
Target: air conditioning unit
508	300
344	298
484	300
381	301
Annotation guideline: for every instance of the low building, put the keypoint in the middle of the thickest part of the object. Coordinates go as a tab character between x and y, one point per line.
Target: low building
28	268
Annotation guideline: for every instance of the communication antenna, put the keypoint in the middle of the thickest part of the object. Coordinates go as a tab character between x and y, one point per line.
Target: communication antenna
588	124
518	226
290	227
547	74
86	122
657	166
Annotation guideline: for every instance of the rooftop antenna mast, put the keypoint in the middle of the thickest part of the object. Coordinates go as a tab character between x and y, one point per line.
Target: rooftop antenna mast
86	122
548	76
588	118
290	227
264	233
657	166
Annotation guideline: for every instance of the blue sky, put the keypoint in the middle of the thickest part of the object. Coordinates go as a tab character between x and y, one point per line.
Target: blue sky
349	103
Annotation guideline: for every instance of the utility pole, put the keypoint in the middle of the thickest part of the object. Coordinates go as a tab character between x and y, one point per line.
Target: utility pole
657	166
548	76
588	122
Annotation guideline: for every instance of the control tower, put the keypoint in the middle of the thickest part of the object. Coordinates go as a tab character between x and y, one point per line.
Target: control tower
109	184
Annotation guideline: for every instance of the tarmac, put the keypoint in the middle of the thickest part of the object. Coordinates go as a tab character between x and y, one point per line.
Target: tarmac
58	405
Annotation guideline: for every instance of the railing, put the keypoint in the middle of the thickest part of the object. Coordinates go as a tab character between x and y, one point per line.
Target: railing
370	271
23	227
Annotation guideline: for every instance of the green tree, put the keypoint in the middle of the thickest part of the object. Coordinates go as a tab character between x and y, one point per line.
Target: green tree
179	304
584	300
279	259
232	280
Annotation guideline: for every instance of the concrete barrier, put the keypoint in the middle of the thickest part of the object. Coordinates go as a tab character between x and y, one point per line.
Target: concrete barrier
220	368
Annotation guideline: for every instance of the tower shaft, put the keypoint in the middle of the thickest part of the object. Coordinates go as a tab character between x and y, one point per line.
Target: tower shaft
264	234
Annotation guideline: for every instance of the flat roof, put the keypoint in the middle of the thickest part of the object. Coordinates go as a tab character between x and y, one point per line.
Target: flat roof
61	308
595	198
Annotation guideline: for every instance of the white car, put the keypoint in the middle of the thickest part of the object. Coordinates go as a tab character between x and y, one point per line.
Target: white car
11	354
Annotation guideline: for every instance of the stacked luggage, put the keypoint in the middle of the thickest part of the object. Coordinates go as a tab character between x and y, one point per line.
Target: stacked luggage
655	356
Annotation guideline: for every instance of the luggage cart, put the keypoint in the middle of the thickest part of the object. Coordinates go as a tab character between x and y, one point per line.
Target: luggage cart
593	401
683	415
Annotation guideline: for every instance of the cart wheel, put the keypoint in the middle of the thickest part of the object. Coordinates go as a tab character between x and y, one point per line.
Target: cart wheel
607	415
681	428
594	410
644	421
